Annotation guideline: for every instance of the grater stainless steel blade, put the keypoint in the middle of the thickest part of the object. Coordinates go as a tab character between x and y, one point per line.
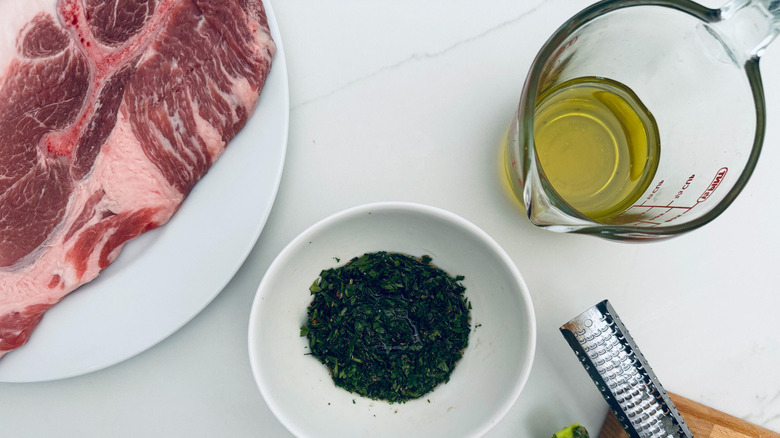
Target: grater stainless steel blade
622	374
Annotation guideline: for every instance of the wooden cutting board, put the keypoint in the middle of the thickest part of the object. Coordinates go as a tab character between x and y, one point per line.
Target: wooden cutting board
703	421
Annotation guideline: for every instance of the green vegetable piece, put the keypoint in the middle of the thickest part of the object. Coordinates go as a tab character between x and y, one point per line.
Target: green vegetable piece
572	431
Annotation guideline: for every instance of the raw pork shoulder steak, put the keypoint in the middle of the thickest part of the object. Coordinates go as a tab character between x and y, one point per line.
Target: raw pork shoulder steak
110	112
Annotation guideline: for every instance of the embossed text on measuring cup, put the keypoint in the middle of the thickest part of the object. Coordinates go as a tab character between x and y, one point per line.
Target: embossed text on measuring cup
653	211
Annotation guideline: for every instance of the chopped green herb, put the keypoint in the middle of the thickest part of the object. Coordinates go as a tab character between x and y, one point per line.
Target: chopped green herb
387	325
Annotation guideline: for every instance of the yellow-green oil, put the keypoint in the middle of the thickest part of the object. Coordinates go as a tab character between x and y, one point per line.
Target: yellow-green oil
597	144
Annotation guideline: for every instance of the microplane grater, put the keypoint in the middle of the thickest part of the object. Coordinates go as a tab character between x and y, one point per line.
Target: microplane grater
622	374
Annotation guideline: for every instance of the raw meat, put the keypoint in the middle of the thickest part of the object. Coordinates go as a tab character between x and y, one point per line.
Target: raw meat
110	112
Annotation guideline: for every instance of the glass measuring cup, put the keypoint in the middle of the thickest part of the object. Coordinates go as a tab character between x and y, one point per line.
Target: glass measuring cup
683	83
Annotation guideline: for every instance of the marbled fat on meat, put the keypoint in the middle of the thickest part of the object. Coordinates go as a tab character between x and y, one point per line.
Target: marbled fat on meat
110	112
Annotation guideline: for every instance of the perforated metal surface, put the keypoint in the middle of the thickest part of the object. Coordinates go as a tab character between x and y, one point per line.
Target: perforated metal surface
622	374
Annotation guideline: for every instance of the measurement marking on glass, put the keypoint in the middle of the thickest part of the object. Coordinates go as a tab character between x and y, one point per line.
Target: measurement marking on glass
648	208
648	222
660	206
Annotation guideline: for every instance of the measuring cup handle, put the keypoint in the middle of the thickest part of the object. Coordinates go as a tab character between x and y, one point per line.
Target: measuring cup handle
747	27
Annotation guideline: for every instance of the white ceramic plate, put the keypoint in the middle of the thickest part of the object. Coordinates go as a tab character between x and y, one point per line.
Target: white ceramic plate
485	383
167	276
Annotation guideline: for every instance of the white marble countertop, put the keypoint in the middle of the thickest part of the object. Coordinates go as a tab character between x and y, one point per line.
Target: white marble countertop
408	100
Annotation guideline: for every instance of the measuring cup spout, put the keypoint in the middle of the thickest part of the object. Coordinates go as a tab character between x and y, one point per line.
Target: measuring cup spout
745	28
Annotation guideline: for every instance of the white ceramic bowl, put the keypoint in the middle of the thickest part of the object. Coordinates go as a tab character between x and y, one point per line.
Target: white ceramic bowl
486	381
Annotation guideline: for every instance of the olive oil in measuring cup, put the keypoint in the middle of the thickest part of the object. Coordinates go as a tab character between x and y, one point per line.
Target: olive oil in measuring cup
597	144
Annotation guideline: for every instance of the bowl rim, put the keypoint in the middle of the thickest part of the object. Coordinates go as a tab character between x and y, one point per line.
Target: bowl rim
417	208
